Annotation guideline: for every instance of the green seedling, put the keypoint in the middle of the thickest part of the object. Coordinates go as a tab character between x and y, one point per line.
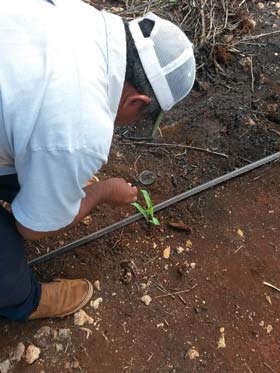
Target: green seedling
157	123
148	213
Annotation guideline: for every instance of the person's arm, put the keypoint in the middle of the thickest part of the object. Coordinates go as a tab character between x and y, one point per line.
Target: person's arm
113	191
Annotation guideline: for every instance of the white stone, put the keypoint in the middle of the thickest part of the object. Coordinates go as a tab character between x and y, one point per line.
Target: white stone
32	354
96	303
146	299
81	318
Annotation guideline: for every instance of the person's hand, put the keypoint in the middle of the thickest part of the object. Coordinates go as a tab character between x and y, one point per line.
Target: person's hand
118	192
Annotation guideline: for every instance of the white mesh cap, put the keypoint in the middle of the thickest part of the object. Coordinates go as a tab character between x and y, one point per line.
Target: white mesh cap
167	58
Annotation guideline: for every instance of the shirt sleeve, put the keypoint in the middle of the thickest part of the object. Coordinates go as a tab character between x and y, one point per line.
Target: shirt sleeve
51	187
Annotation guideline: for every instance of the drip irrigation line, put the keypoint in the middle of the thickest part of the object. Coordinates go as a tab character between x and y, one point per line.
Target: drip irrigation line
158	207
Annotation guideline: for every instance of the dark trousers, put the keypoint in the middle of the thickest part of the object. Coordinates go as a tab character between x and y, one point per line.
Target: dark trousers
19	290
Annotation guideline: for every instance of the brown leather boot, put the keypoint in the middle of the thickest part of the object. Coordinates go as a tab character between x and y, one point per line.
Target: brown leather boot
62	297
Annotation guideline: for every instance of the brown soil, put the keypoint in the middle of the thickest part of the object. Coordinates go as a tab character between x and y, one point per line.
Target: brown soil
223	272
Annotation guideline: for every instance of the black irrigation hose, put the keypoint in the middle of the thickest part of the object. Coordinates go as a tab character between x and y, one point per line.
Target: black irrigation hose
159	207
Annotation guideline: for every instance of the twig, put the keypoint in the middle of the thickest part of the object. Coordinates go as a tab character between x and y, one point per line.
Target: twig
250	370
271	286
252	75
269	367
178	146
176	293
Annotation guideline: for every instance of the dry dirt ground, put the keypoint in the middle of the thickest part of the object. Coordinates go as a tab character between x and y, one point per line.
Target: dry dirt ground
210	310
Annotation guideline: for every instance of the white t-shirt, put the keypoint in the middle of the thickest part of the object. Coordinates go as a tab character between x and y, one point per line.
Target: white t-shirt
62	70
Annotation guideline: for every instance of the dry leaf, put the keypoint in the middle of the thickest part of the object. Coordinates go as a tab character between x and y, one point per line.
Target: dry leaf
180	226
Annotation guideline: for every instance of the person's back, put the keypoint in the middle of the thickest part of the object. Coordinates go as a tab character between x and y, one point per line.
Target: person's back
68	74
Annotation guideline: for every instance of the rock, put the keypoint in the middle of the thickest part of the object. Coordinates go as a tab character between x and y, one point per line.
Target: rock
193	265
240	233
277	5
188	244
96	303
166	252
180	250
18	353
5	366
192	353
32	354
269	329
146	299
58	347
260	5
87	220
64	333
97	285
261	323
81	318
45	331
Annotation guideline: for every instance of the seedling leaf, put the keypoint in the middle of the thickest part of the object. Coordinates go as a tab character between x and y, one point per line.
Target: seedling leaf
141	210
148	213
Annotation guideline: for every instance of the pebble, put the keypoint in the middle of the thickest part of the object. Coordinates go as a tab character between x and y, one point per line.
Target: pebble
5	366
19	352
192	353
64	333
146	299
59	347
96	303
260	5
269	329
32	354
97	285
188	244
81	318
180	250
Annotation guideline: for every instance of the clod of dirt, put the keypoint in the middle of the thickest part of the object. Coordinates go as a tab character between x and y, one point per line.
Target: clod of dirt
18	353
166	252
45	331
250	122
64	333
272	108
42	335
5	366
181	227
146	299
97	285
222	341
129	271
192	353
81	318
183	269
96	303
32	354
